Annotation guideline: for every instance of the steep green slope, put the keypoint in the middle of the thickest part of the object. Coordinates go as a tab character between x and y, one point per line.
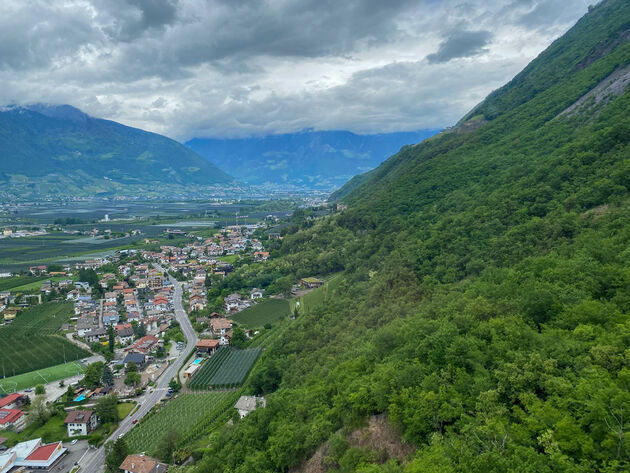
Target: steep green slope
59	149
485	307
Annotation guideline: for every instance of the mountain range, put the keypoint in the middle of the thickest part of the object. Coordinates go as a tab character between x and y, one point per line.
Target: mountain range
309	159
59	150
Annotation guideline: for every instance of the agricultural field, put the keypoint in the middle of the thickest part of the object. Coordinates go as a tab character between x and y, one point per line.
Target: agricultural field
188	415
266	312
43	376
318	296
31	342
225	369
9	284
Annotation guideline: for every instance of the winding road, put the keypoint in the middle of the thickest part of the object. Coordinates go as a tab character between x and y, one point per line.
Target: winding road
94	459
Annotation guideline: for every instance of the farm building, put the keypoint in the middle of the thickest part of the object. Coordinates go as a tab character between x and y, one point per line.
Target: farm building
311	283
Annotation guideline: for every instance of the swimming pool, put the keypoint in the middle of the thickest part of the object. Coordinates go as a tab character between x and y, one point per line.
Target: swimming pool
197	361
80	398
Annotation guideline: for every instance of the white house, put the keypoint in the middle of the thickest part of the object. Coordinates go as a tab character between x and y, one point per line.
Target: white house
256	293
80	423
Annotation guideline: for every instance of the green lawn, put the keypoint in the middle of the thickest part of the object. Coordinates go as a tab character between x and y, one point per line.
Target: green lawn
43	376
124	408
268	311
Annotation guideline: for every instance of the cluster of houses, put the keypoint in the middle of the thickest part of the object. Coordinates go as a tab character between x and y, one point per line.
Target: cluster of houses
123	305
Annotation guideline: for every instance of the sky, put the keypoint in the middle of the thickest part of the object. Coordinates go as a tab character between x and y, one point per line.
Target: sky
238	68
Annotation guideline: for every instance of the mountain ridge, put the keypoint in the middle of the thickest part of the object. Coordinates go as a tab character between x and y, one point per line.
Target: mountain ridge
91	155
308	159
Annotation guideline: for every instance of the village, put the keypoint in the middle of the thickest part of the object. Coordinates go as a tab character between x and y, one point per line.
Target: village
124	312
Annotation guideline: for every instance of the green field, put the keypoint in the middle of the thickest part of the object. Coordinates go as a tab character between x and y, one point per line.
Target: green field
31	342
225	369
9	284
36	285
43	376
266	312
188	415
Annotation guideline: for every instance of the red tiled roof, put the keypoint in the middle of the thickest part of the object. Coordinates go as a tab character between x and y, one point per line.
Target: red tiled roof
9	416
207	343
10	399
44	452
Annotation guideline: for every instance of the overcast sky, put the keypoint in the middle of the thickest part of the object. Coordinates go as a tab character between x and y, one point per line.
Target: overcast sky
226	68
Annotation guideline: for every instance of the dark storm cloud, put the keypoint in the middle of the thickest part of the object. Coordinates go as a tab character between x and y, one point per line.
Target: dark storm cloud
461	44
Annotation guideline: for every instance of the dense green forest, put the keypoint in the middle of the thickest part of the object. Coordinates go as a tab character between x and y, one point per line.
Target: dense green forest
486	297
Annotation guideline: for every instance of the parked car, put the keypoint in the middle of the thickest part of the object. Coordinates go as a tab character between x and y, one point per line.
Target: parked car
74	442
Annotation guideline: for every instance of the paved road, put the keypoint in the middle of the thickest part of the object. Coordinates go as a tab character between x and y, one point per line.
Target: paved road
94	460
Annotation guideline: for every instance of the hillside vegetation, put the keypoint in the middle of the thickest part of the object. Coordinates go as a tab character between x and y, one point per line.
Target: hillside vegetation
485	301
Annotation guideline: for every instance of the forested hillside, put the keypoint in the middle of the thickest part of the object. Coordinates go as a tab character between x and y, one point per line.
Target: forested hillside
485	305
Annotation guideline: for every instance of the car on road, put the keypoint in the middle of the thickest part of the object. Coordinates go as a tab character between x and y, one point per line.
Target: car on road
74	442
29	390
135	421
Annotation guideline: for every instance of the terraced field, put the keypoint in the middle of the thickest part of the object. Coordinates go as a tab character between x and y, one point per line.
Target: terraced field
225	369
189	415
31	342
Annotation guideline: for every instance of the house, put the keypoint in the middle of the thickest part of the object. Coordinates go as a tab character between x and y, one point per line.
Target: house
37	270
142	464
248	404
80	422
12	401
261	256
82	285
124	334
207	346
197	302
144	345
137	359
256	293
94	335
220	326
311	283
12	419
232	302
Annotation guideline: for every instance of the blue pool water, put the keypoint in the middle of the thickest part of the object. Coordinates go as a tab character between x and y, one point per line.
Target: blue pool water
197	361
79	398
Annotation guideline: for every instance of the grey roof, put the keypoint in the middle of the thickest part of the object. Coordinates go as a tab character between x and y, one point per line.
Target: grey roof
250	403
96	332
137	358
